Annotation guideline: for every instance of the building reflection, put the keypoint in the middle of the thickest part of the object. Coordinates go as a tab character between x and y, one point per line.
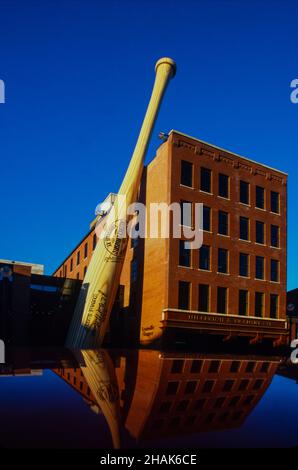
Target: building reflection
167	394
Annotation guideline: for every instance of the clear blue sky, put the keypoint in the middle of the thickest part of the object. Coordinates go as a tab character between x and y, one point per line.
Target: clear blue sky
78	76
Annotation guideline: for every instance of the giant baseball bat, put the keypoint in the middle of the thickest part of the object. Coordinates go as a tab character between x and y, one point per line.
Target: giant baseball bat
99	288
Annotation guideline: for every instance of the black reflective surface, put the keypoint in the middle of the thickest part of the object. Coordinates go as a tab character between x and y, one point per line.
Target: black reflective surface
148	399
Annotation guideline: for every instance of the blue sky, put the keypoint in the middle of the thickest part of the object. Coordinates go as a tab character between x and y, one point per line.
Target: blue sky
78	77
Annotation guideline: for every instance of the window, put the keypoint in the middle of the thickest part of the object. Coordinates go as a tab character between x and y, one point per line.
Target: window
248	400
205	180
199	404
222	300
244	192
85	250
65	270
177	366
274	270
250	367
243	384
71	264
204	254
265	367
203	298
260	199
243	302
228	385
94	241
78	258
235	366
259	304
196	366
274	202
222	260
208	385
134	270
258	384
182	405
184	254
186	213
214	366
206	218
273	306
219	402
165	407
223	223
243	264
85	270
260	232
234	401
259	267
186	173
183	297
244	228
223	185
274	236
172	388
190	386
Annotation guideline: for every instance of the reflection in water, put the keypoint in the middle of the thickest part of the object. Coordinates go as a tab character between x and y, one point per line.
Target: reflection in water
157	394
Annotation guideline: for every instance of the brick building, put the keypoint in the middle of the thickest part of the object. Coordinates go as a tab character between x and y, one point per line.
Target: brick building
235	284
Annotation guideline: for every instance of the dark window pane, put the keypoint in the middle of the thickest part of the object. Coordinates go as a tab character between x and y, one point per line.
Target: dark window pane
186	173
182	405
204	254
243	302
203	298
205	180
219	402
258	384
221	300
243	384
243	264
94	241
248	400
260	199
214	366
273	306
206	218
85	250
177	366
244	192
186	213
228	385
223	185
274	236
165	407
71	264
183	300
244	228
208	385
223	223
259	267
190	387
259	304
275	202
78	258
274	265
196	366
172	388
260	232
234	400
222	260
265	367
184	254
250	367
235	366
